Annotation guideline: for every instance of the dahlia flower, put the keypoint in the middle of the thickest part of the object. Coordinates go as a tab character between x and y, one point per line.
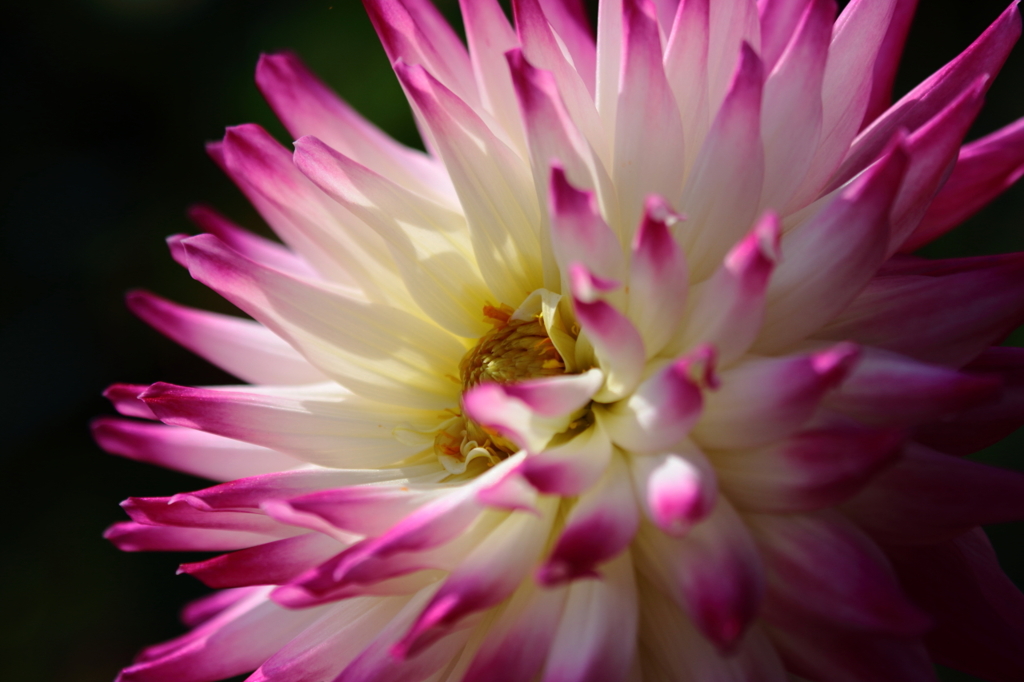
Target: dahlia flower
630	377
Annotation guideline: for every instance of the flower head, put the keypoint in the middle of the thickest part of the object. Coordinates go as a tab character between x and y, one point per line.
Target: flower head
630	377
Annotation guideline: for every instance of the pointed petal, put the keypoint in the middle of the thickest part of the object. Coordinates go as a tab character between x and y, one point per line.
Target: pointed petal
888	59
617	344
379	351
927	497
985	56
308	107
493	184
984	169
933	150
339	431
415	32
846	89
489	575
542	49
490	37
250	245
648	127
339	245
808	471
967	432
267	564
241	347
977	609
656	300
686	69
947	319
886	389
193	452
578	232
429	243
792	119
765	399
130	536
823	565
661	411
730	306
829	259
714	573
721	194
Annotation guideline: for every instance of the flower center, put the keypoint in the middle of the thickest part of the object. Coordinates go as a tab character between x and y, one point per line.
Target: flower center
513	350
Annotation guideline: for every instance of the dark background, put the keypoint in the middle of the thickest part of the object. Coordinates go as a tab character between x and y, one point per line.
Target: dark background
106	105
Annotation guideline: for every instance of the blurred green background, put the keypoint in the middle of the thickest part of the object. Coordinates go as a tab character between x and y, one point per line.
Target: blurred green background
107	104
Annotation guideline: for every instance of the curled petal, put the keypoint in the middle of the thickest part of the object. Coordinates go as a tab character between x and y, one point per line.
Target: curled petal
533	411
729	307
675	490
617	344
657	277
662	409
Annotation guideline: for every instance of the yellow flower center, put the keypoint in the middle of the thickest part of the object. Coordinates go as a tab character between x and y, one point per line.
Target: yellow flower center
512	351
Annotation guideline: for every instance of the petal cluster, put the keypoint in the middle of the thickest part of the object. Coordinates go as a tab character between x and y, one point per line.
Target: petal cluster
630	376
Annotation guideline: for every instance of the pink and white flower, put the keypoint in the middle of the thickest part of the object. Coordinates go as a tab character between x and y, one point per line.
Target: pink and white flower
631	377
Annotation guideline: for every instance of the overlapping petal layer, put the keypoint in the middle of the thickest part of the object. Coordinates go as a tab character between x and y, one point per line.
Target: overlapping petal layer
629	377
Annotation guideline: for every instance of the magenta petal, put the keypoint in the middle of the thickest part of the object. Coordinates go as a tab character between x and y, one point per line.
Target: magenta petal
822	565
886	389
765	399
125	399
241	347
984	169
888	59
416	32
599	527
947	319
985	56
928	497
979	612
129	536
658	276
267	564
578	232
193	452
978	428
663	408
714	573
306	106
811	470
818	650
203	609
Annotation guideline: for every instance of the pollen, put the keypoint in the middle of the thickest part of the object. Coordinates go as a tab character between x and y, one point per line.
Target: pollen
513	350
